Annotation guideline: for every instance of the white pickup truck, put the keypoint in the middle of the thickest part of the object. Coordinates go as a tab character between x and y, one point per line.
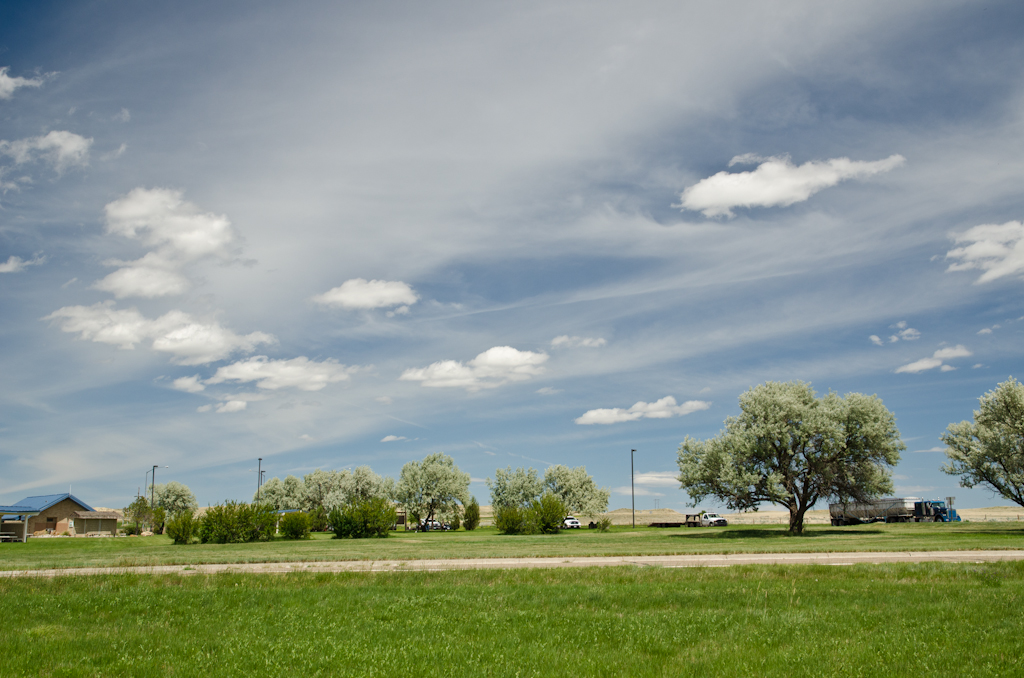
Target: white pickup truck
705	520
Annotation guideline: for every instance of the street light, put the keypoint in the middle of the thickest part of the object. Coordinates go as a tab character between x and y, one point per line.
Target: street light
632	494
259	478
152	493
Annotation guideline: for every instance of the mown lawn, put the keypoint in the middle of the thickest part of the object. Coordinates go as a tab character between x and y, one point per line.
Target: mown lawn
870	620
487	543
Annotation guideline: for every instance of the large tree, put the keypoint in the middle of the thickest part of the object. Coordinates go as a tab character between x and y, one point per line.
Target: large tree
175	498
577	490
287	494
990	450
431	487
359	485
514	488
791	448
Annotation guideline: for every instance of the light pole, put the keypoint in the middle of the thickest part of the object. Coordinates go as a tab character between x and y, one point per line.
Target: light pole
632	494
259	478
152	492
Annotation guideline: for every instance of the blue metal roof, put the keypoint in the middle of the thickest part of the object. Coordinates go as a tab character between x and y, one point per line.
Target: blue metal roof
45	501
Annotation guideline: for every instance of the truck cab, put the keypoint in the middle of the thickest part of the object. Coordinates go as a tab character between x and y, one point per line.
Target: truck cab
712	520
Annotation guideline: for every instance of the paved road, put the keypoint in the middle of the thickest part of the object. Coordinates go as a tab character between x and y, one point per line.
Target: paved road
713	560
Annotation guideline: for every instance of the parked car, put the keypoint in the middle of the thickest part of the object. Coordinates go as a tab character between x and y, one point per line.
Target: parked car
570	523
431	525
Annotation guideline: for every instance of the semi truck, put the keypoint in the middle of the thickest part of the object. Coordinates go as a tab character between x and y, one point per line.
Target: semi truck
893	510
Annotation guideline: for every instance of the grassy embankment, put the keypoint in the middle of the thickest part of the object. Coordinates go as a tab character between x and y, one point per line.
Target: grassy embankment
793	621
486	543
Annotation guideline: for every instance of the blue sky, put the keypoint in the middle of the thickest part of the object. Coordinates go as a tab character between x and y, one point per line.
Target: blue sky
522	234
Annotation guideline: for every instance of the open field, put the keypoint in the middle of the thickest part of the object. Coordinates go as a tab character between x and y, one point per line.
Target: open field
792	621
486	543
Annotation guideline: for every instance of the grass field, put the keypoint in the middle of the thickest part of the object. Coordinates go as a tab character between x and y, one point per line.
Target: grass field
870	620
487	543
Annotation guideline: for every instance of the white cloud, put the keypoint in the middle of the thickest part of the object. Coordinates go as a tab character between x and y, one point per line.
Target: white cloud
876	340
775	182
124	115
232	406
660	409
930	449
996	249
391	439
189	341
9	84
62	149
384	399
638	491
936	360
178	230
989	330
657	478
909	334
17	264
301	373
362	294
548	390
306	437
490	369
577	342
188	384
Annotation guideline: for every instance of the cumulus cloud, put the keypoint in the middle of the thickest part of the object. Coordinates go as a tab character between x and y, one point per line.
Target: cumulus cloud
61	149
876	340
8	84
301	373
189	341
124	115
996	249
492	368
180	233
188	384
776	182
660	409
577	342
231	406
657	478
362	294
548	390
391	439
937	360
17	264
638	491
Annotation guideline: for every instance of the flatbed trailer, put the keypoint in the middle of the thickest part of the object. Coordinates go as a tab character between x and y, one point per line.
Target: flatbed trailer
893	510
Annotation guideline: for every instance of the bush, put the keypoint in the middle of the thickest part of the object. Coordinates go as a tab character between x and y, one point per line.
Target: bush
295	525
358	519
236	522
455	521
183	527
159	520
511	519
471	520
547	514
604	524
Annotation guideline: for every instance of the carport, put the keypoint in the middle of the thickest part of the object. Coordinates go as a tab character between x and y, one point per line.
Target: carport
12	514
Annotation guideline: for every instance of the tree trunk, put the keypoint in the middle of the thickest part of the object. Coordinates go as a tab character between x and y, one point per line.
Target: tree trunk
796	520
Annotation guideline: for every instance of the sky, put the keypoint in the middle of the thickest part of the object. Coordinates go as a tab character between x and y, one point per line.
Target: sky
522	234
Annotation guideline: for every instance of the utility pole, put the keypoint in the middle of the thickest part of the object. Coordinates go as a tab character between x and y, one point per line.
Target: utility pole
259	478
632	493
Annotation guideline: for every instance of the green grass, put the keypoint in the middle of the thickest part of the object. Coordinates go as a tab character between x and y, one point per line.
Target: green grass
872	620
486	543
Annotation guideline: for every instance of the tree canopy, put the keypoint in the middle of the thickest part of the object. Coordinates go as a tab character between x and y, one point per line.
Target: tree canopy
791	448
175	497
514	488
577	490
287	494
432	487
990	450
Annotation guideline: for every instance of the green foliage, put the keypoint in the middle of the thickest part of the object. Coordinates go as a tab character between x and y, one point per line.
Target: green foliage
990	450
604	524
791	448
295	525
511	519
514	488
577	490
471	520
547	514
289	493
183	527
159	518
432	487
174	498
139	513
237	522
372	517
455	519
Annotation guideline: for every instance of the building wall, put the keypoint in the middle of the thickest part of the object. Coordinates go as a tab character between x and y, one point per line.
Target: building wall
87	525
60	512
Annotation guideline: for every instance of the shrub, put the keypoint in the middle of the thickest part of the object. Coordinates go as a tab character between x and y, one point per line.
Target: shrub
604	524
362	518
159	520
471	520
236	522
183	527
455	522
511	519
547	514
295	525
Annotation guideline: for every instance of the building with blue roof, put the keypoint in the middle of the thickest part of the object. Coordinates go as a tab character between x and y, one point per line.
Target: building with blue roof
53	513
